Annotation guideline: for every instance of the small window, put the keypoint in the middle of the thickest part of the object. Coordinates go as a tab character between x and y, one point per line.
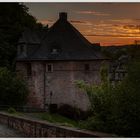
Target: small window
54	51
21	49
55	48
121	66
123	74
119	75
87	68
116	75
29	69
50	68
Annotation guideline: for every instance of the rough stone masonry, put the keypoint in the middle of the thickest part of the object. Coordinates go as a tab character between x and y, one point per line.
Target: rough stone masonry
52	60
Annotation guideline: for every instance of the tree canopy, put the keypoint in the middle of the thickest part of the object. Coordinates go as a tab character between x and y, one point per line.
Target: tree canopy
14	18
116	108
13	89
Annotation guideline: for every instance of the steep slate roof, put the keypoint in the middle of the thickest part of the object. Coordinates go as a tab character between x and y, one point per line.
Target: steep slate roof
30	36
67	40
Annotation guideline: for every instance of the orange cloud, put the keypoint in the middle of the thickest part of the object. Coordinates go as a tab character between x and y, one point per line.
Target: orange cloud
108	41
125	21
80	22
95	13
111	35
107	32
46	21
133	27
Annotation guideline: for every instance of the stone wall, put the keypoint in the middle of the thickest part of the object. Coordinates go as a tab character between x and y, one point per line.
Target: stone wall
35	83
58	87
33	128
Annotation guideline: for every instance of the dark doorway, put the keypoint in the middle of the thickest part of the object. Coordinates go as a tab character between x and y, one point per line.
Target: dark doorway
53	108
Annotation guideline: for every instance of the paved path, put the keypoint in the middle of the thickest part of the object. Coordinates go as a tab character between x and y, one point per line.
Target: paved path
8	132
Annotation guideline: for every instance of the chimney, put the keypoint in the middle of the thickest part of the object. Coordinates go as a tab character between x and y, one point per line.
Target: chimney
63	16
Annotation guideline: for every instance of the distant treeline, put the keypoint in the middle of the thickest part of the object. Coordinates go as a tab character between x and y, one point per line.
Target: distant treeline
115	52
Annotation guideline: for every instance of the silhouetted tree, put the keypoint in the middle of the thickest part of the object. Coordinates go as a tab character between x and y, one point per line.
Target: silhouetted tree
13	89
116	108
14	18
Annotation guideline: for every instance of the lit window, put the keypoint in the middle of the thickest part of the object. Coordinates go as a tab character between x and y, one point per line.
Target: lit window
54	51
55	48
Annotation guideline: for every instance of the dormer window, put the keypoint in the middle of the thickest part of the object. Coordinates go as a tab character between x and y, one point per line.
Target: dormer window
22	50
54	51
55	47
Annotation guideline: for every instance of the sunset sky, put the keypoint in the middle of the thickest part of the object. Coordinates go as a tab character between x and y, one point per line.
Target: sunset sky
105	23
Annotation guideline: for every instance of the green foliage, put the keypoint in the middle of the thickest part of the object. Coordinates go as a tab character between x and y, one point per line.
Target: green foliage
13	90
54	118
127	103
114	52
72	112
116	109
11	110
14	18
104	73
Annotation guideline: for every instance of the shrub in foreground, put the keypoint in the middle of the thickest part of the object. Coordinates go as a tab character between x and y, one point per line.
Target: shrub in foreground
11	110
72	112
13	89
116	109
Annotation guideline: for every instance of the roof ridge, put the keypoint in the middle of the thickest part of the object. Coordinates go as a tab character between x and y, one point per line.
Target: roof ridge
73	45
81	37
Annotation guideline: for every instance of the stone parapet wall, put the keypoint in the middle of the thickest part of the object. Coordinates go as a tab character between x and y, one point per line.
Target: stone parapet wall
34	128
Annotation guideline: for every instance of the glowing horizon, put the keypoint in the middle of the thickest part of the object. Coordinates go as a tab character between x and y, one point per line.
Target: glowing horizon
104	23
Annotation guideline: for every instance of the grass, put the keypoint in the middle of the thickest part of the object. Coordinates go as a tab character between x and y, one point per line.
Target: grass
54	118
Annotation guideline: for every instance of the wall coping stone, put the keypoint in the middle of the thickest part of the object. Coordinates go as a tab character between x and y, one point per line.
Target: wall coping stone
52	125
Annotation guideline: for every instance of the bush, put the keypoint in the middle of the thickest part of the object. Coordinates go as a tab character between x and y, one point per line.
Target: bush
116	109
13	89
126	111
72	112
11	110
53	108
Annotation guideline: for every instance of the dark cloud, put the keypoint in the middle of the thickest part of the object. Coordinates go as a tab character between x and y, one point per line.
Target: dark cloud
77	21
80	22
46	21
95	13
